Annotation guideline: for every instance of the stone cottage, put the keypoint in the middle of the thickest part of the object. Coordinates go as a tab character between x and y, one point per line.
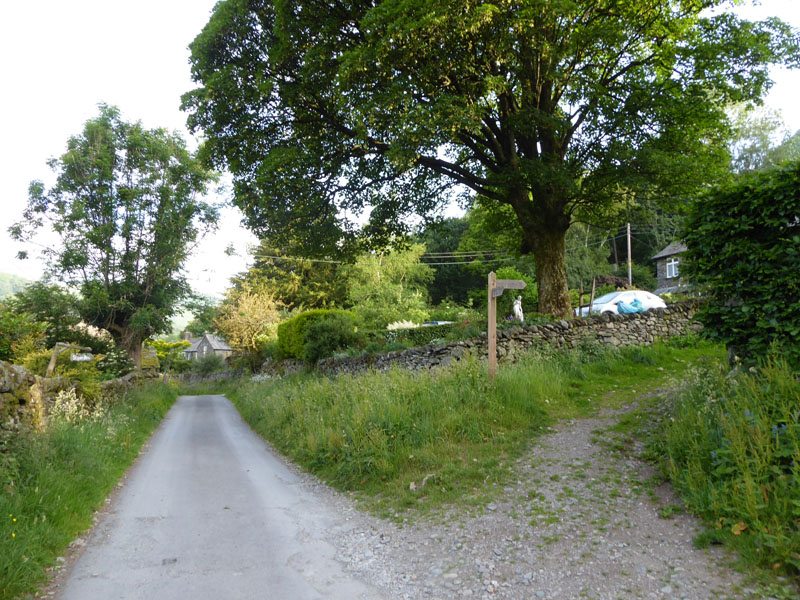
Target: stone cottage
208	344
668	269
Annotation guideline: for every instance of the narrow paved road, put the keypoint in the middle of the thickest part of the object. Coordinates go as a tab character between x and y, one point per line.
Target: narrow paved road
209	513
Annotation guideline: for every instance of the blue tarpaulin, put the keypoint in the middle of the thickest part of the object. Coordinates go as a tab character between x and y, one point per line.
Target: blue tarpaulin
634	307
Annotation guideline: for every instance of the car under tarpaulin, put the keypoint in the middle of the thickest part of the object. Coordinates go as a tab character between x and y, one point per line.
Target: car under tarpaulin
634	307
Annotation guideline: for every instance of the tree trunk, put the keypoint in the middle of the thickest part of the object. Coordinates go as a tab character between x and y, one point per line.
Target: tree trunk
549	253
544	227
131	341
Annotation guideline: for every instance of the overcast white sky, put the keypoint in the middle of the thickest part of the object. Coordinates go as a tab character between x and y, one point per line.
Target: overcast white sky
60	59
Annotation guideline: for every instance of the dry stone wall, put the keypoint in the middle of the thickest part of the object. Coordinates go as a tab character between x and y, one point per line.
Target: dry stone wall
617	330
25	398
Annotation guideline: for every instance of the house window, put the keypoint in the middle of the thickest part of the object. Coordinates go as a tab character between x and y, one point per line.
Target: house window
672	268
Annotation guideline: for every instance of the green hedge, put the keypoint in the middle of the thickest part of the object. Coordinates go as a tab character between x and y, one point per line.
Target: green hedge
744	250
334	332
292	333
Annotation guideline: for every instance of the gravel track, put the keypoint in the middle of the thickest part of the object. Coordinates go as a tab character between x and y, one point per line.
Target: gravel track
578	523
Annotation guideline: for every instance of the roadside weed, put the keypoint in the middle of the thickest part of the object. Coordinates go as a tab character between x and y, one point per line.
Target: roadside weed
63	474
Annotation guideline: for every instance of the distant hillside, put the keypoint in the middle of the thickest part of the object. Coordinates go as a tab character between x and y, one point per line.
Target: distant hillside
11	284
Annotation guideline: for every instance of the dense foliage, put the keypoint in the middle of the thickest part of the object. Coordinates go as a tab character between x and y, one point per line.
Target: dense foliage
204	311
296	283
336	331
732	449
171	358
292	333
743	251
384	287
248	320
452	278
58	309
553	109
125	208
20	333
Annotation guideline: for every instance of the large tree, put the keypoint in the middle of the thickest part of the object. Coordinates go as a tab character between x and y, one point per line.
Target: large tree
125	206
554	108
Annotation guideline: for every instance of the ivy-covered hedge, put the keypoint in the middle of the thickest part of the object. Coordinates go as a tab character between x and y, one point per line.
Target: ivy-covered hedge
744	253
292	333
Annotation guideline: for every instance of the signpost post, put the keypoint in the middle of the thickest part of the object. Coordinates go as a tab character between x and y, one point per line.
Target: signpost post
496	289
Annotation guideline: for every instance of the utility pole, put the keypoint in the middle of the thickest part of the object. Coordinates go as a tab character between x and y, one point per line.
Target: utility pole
630	264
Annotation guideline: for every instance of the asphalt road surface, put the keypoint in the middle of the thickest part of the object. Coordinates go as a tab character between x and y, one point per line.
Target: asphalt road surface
208	512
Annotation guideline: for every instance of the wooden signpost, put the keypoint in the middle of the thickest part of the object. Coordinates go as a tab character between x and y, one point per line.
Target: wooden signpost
59	348
496	289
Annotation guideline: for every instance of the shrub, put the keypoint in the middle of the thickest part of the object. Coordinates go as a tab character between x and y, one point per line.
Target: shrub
248	319
450	311
36	362
644	277
114	363
210	363
743	250
170	355
292	333
334	331
20	334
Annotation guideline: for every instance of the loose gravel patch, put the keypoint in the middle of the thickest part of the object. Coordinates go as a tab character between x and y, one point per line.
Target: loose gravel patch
581	521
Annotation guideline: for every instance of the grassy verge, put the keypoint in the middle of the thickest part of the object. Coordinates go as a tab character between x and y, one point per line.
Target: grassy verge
421	441
53	481
732	450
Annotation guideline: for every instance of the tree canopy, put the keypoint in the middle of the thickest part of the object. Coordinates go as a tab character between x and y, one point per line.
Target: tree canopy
388	286
58	309
125	206
293	281
760	140
556	109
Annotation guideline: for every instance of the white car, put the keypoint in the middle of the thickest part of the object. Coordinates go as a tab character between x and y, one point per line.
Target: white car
608	302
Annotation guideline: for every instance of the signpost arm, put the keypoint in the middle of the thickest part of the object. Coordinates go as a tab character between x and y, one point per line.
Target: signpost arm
58	348
491	331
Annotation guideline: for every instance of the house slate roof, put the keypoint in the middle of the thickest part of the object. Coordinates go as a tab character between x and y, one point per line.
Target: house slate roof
671	250
217	343
195	342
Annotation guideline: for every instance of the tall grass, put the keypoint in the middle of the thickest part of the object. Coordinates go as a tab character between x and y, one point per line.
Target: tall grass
383	434
378	429
732	450
53	481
